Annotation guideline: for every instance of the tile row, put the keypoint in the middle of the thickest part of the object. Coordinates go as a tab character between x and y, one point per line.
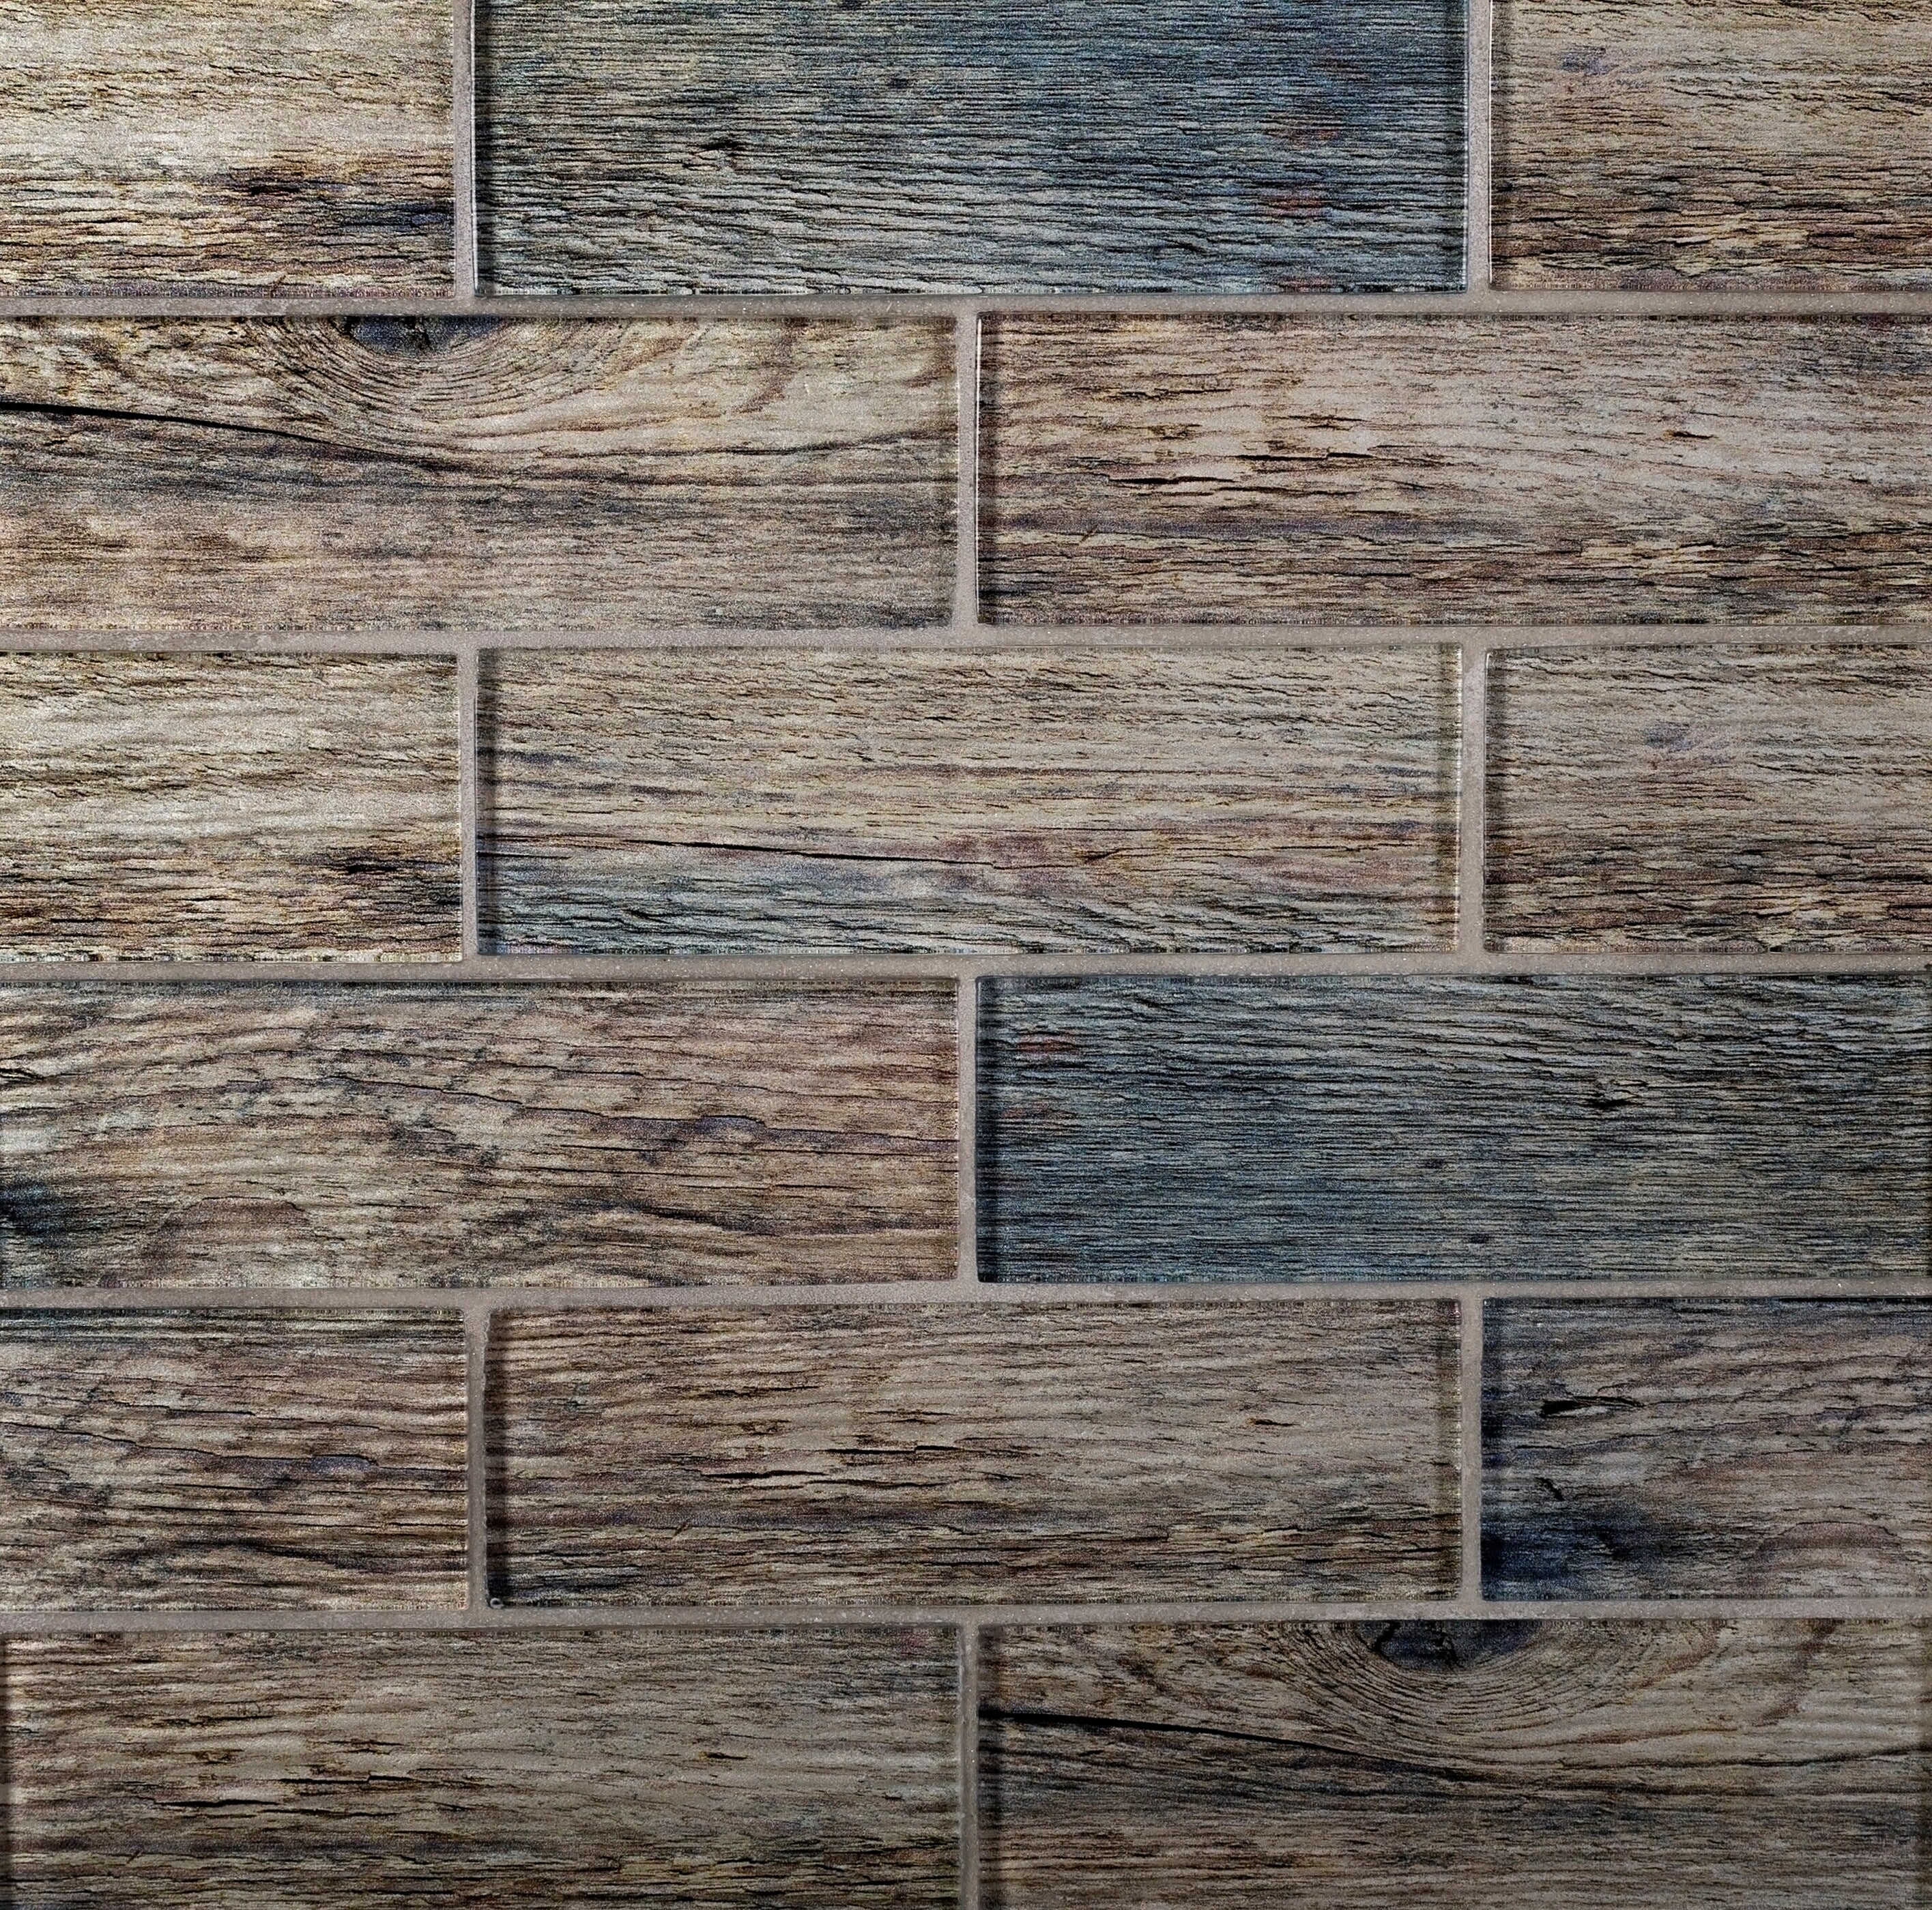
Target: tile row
694	802
944	1452
264	1134
533	474
1440	1764
894	146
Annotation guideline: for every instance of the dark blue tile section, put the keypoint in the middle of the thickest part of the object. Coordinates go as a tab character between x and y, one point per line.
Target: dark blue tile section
898	145
1171	1128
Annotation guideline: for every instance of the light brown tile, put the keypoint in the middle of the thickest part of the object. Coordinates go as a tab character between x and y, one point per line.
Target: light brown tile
505	1773
311	1135
974	1451
1728	143
184	806
1418	1766
1372	470
155	145
247	1460
394	473
696	800
1756	1448
1723	797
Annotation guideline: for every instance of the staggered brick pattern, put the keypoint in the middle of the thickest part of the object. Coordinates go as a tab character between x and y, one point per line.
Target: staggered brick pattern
955	1096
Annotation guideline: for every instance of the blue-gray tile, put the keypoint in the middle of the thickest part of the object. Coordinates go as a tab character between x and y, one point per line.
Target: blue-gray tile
1178	1128
899	145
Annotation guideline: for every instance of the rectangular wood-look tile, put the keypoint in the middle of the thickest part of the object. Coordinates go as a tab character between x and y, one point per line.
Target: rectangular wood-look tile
523	1772
159	145
695	800
1174	1128
244	1460
311	1135
694	146
974	1451
1432	470
1713	796
1729	143
239	806
388	473
1751	1448
1455	1766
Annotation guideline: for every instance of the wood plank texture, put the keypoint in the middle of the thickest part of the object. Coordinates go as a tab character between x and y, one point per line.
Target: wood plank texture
1456	1766
387	473
1691	1127
308	1135
803	1768
184	806
171	146
974	1452
695	801
1718	797
171	1460
1430	470
694	146
1712	144
1654	1448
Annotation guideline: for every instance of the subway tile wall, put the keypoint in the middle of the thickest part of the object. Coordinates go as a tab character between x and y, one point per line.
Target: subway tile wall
965	957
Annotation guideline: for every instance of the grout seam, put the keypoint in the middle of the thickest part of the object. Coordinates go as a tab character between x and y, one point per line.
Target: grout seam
467	669
1479	225
463	138
476	1449
967	1100
968	1634
1471	794
966	578
1469	1443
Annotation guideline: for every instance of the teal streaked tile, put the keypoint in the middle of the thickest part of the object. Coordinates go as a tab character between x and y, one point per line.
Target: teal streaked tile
1184	1128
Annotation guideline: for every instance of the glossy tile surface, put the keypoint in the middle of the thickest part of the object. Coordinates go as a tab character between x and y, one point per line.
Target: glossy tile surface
974	1451
1692	1127
390	473
906	147
697	802
178	807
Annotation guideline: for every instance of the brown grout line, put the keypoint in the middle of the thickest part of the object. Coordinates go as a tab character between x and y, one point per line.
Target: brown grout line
466	797
1478	122
840	971
695	307
1472	732
967	1100
980	1616
1310	1289
476	1451
966	510
1469	1440
463	138
968	1636
980	636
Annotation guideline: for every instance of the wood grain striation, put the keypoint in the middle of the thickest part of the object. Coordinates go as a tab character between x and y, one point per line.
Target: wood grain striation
1714	143
694	146
309	1135
177	145
286	807
388	473
806	1768
1392	470
1653	1448
1456	1765
698	801
1718	797
1414	1127
974	1452
169	1461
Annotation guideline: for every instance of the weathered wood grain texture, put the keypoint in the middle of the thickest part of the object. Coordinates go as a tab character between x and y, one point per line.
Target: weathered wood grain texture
692	801
974	1452
802	1768
1713	143
293	1136
1718	797
697	146
1455	1766
1689	1127
384	473
172	1460
165	146
286	807
1420	470
1649	1449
